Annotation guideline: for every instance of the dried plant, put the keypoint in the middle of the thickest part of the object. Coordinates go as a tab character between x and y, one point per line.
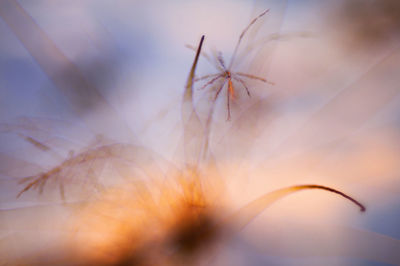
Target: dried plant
174	220
226	75
180	221
84	168
174	217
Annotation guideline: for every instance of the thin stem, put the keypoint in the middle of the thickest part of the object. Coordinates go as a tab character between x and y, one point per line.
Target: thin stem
241	36
211	81
254	77
221	60
206	77
248	212
228	102
189	84
244	84
229	93
219	90
205	55
209	120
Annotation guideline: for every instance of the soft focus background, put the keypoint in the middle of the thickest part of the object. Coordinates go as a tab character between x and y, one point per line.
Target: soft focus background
77	73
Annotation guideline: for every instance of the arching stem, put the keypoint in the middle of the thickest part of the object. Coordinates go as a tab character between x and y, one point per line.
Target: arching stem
248	212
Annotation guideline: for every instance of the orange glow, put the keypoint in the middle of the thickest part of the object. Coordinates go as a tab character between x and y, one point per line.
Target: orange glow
107	158
157	223
230	88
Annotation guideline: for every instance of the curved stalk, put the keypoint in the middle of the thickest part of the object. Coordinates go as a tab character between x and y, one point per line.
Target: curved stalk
248	212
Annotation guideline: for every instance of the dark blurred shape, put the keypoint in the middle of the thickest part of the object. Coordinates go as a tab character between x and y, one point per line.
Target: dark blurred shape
370	23
99	73
64	74
191	232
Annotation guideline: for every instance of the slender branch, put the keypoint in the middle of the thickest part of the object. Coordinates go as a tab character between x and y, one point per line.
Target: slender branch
211	82
254	77
242	34
251	210
205	55
244	84
189	83
206	77
209	121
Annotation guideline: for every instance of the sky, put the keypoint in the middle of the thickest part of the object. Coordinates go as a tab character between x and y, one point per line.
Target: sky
78	74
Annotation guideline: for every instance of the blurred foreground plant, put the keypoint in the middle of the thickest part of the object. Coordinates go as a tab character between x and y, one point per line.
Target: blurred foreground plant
175	219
